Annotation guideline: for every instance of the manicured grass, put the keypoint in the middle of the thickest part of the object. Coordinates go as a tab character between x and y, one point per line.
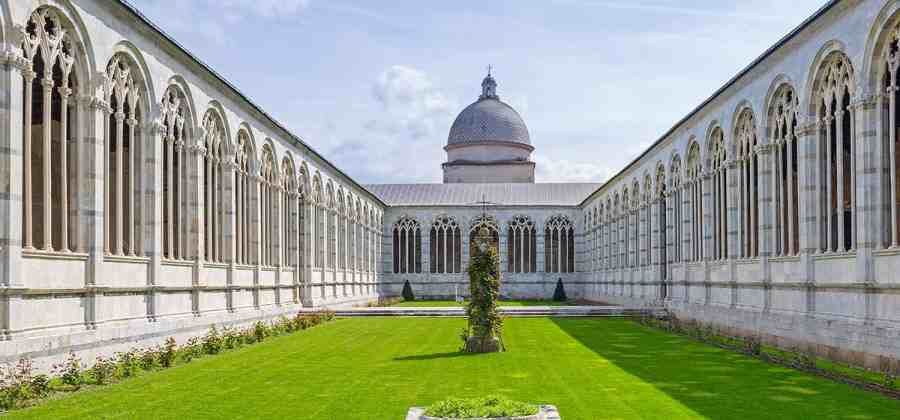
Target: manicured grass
375	368
451	303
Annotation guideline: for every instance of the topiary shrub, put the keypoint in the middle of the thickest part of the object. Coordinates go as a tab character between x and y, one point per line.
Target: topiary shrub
559	295
485	324
407	292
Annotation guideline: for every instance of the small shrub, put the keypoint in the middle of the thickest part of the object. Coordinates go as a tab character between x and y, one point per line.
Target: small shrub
40	385
407	292
149	358
490	406
103	371
128	363
559	295
15	385
191	349
753	346
260	331
212	341
231	338
168	353
70	371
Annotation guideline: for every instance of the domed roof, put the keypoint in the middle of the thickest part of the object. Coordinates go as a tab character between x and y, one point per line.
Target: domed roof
488	120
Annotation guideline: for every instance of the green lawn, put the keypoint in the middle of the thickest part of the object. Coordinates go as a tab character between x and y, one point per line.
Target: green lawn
452	303
375	368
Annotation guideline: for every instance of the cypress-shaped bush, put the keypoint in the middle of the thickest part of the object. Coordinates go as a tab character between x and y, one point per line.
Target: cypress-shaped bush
407	292
559	295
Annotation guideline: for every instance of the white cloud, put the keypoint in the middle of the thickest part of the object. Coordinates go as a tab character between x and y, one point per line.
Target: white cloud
564	170
210	19
413	105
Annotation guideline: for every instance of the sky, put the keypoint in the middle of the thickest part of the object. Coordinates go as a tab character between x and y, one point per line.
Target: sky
375	85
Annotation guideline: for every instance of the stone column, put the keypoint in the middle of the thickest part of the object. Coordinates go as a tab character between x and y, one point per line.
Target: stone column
765	162
12	163
155	145
196	153
92	200
230	219
256	250
864	191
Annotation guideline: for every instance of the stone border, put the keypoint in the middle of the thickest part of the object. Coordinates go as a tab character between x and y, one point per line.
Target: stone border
547	412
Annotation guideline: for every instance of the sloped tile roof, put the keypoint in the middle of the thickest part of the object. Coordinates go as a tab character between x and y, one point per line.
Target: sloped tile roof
525	194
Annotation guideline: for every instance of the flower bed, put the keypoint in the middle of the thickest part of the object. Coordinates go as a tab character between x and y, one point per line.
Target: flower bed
21	387
486	408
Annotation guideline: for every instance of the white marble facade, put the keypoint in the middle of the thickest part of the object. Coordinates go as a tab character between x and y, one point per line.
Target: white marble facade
166	200
156	199
772	208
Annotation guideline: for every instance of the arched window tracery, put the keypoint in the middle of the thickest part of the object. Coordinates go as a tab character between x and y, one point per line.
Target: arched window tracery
407	246
242	172
695	191
445	246
341	219
748	179
521	245
50	122
123	156
214	172
175	174
719	194
677	216
268	184
559	245
289	212
329	213
784	125
836	153
889	112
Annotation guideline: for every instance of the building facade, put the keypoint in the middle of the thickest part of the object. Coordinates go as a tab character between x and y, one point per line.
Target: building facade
143	196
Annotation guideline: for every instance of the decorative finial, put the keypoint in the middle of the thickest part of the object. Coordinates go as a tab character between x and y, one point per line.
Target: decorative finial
489	86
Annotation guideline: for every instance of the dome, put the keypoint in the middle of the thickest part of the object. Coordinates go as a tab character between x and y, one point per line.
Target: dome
488	120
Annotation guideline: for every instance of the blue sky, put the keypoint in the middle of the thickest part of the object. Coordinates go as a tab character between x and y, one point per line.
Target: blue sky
375	85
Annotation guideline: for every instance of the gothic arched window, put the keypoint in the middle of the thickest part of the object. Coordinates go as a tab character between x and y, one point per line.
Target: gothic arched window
695	192
268	171
407	246
446	246
559	245
719	199
123	137
242	158
837	151
748	178
521	245
49	126
783	117
214	212
175	174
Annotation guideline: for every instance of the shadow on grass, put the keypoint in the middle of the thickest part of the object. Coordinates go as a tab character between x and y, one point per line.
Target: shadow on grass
720	384
433	356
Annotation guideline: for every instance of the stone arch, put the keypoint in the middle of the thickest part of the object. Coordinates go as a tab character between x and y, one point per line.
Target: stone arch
816	71
143	79
743	108
216	106
879	35
246	144
86	65
303	179
177	82
778	83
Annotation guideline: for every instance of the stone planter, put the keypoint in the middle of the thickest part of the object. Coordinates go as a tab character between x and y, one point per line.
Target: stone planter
546	412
